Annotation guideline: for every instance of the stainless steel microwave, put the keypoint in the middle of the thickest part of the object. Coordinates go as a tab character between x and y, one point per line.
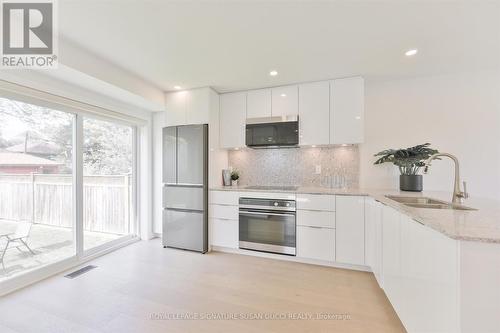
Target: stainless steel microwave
272	132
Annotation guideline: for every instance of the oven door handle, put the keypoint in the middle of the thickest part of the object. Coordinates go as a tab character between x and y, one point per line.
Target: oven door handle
261	213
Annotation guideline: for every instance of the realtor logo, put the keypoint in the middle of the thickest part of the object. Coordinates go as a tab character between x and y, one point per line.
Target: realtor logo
28	34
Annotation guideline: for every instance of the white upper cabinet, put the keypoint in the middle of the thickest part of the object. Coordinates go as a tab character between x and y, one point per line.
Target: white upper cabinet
189	107
314	113
347	111
330	112
259	103
232	120
198	106
285	101
175	106
350	224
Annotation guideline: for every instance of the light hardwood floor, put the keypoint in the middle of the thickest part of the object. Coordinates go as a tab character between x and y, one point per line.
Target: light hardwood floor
134	283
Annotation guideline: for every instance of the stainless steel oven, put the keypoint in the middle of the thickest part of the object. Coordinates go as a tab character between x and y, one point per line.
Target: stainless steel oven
267	225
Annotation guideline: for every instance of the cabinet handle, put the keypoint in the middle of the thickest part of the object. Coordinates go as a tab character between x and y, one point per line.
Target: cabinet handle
250	213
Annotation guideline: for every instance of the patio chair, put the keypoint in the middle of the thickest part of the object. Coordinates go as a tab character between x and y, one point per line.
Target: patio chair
16	239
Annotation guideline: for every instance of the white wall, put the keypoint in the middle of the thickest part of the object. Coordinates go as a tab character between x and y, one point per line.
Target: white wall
120	79
459	114
51	84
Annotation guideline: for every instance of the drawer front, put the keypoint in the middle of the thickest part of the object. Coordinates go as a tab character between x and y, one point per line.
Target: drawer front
316	243
224	198
316	202
223	212
224	233
316	218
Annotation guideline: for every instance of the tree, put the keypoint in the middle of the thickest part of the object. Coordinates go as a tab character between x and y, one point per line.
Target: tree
107	147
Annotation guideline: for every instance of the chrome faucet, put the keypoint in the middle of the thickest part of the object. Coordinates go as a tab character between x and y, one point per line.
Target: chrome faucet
458	194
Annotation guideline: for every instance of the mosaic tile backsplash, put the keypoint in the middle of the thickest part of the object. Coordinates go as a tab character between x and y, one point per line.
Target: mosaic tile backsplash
297	166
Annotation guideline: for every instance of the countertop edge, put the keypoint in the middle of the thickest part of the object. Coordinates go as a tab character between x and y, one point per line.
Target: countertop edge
380	196
305	190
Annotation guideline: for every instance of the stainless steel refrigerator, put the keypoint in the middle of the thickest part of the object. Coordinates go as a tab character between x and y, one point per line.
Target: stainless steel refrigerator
185	187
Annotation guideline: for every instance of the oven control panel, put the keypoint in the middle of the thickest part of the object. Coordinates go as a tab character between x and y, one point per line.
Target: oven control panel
274	204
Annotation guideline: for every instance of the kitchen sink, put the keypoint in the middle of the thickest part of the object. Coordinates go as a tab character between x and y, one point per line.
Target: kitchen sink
425	202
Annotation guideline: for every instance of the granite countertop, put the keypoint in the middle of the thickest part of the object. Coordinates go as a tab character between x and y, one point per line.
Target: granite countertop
300	189
480	225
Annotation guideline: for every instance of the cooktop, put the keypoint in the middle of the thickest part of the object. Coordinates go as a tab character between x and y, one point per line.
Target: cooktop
272	188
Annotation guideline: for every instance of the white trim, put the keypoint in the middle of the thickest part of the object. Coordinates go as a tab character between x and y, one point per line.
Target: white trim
89	253
78	185
38	274
133	216
144	187
81	110
81	251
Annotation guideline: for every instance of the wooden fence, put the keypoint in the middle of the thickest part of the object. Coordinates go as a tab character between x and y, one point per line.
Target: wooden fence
48	199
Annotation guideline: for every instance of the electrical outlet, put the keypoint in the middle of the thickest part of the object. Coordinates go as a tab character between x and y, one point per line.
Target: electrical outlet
318	169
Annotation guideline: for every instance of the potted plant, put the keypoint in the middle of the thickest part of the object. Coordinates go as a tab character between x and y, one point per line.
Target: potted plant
409	161
235	175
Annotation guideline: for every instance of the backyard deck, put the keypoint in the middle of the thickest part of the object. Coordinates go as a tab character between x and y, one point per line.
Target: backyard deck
49	243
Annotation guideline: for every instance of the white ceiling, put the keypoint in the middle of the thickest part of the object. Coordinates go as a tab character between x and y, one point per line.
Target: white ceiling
232	45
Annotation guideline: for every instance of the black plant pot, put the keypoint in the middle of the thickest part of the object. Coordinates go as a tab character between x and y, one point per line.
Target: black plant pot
411	183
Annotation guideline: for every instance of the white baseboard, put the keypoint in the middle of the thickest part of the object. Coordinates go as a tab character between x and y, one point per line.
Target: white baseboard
290	258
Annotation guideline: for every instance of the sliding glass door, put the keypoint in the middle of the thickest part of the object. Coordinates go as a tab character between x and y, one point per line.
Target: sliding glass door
37	225
108	166
55	203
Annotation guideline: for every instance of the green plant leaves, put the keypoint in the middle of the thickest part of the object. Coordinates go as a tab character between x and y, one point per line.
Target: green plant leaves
409	160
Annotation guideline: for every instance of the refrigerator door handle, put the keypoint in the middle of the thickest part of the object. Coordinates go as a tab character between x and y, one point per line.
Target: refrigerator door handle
184	210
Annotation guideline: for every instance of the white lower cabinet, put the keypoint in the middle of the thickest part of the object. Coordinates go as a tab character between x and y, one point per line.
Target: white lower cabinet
229	198
224	233
223	215
429	279
421	273
316	202
316	218
316	243
316	227
224	212
419	269
350	229
373	237
391	246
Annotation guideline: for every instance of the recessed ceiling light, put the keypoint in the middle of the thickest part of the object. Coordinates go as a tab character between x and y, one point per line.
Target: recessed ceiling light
283	95
177	87
358	117
273	73
411	52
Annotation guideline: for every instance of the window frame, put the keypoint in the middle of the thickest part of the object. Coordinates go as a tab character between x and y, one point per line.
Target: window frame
80	110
